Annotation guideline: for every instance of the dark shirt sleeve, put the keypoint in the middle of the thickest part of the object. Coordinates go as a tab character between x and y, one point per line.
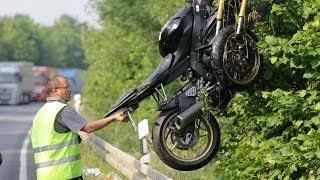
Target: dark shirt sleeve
68	119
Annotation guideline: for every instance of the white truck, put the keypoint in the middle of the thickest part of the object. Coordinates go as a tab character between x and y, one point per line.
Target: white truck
16	84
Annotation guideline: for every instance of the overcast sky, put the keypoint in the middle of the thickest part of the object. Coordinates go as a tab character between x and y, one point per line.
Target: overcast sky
47	11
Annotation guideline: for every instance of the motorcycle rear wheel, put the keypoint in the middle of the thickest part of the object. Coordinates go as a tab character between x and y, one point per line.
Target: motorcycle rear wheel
172	148
235	58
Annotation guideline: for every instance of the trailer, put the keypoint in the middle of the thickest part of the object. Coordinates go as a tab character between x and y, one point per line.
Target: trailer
75	78
16	82
40	75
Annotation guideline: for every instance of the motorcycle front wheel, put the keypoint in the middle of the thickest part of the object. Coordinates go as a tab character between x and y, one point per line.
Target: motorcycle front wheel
188	149
235	58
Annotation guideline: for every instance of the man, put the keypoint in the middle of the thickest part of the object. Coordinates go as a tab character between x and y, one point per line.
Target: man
55	138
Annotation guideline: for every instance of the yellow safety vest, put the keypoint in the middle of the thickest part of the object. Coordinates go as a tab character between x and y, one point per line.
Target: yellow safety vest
56	155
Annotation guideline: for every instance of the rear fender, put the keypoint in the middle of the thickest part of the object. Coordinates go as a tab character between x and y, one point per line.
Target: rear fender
161	71
132	97
125	101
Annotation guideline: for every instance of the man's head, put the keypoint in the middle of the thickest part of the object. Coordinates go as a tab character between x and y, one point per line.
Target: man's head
58	86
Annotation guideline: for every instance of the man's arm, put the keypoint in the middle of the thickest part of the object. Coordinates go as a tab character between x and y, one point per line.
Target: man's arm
96	125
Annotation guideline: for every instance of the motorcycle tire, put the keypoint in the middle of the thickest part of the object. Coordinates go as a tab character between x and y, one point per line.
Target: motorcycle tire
235	59
170	157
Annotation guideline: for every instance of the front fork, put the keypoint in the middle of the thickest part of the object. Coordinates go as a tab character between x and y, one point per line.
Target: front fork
220	16
133	124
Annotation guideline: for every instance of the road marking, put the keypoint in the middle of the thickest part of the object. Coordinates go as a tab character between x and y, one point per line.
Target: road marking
23	157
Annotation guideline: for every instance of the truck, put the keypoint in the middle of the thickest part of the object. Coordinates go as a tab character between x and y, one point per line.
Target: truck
75	78
15	82
40	75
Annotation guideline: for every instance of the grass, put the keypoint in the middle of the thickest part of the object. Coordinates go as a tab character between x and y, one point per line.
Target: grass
91	159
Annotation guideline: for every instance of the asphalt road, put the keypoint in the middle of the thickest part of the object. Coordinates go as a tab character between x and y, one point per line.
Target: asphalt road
15	143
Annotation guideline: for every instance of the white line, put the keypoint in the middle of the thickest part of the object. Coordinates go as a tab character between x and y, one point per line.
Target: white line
23	157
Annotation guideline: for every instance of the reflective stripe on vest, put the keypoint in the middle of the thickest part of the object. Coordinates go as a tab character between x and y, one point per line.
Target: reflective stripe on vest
58	161
56	146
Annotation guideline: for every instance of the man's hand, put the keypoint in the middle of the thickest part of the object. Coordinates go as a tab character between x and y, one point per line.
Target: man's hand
121	116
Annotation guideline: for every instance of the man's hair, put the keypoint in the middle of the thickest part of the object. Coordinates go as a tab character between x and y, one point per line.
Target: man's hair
52	83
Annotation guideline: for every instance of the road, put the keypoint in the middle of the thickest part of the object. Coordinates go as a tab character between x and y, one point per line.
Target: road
15	143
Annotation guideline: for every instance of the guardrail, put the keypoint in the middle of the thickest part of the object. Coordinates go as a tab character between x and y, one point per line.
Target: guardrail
128	165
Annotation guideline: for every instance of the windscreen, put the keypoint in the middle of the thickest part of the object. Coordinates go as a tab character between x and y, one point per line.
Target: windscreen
39	78
9	77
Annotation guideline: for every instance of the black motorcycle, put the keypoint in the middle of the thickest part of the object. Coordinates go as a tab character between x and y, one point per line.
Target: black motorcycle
203	45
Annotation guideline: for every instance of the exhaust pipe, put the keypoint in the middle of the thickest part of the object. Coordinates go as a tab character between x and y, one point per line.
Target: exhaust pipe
187	116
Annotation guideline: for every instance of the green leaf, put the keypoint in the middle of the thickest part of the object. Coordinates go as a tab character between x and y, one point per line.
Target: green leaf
292	168
268	74
296	63
270	40
298	123
317	106
302	93
284	151
315	120
307	75
273	59
309	155
315	63
283	60
265	94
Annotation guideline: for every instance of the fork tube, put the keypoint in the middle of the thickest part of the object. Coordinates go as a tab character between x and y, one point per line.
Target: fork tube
133	124
242	15
220	15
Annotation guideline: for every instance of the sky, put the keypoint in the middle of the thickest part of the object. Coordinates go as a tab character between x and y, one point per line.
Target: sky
46	12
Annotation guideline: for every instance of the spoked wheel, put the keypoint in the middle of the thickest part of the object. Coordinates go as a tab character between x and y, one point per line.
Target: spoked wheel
187	149
235	58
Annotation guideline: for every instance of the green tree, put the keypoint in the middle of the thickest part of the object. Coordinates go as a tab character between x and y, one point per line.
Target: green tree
62	43
19	40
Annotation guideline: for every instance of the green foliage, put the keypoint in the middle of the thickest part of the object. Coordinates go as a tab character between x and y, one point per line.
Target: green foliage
269	132
272	134
294	55
19	39
60	45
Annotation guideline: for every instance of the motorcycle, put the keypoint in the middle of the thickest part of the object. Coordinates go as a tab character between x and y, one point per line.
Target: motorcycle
203	45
